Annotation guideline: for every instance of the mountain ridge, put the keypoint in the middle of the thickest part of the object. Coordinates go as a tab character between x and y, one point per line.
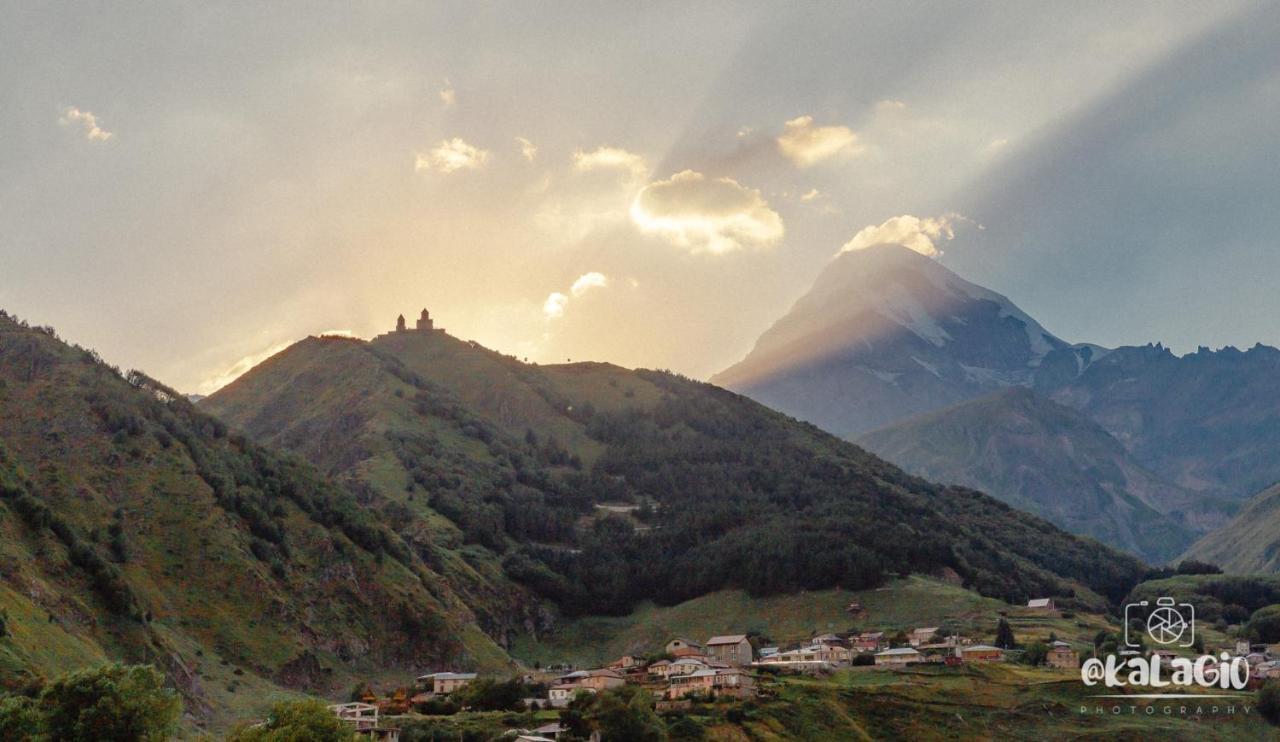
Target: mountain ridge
1047	459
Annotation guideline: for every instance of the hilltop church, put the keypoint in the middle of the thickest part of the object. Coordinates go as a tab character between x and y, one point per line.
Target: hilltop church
424	324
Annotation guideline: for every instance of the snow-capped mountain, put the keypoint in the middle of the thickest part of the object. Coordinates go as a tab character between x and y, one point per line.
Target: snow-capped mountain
886	333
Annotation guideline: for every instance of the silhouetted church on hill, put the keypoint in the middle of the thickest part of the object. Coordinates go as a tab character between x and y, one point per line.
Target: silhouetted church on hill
425	323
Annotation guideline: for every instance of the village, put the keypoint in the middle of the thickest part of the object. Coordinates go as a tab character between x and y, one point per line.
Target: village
726	667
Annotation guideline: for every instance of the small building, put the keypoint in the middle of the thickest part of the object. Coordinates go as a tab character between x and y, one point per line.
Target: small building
1062	656
870	641
561	694
766	652
732	648
899	657
660	668
444	683
982	653
922	635
685	666
1041	605
363	719
725	682
829	640
684	648
625	662
598	680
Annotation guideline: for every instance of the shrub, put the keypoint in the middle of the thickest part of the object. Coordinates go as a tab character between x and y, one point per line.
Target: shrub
1269	701
295	720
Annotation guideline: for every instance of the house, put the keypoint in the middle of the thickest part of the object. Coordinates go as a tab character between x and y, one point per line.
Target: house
550	730
872	641
855	609
922	636
560	694
598	680
625	662
1062	656
684	648
732	648
828	639
982	653
363	718
897	657
444	683
685	666
767	652
659	668
723	682
1041	605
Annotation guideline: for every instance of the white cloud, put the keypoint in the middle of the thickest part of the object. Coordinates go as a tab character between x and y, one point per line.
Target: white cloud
452	155
554	305
610	158
805	144
919	234
448	96
92	131
557	301
588	281
717	215
810	194
528	149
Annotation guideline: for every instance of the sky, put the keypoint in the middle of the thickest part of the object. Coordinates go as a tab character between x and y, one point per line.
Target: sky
188	189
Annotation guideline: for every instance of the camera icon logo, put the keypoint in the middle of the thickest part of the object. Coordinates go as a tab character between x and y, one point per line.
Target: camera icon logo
1168	622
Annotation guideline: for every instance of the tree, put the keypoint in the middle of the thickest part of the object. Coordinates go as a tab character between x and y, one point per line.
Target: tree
294	721
112	702
20	718
1004	635
683	728
574	717
1036	654
1264	625
1269	701
626	713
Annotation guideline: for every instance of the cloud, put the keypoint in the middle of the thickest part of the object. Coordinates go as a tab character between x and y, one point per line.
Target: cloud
448	96
452	155
810	194
914	232
88	121
805	144
588	281
610	158
717	215
528	149
556	303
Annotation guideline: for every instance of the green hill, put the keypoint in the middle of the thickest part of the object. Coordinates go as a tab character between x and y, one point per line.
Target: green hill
135	527
1250	542
1047	459
595	488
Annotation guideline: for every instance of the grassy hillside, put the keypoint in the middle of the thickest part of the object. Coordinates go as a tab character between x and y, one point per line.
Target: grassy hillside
494	469
1047	459
903	604
1250	542
133	526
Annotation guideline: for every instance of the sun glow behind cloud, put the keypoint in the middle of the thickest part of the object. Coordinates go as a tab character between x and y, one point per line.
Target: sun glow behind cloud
807	145
715	215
